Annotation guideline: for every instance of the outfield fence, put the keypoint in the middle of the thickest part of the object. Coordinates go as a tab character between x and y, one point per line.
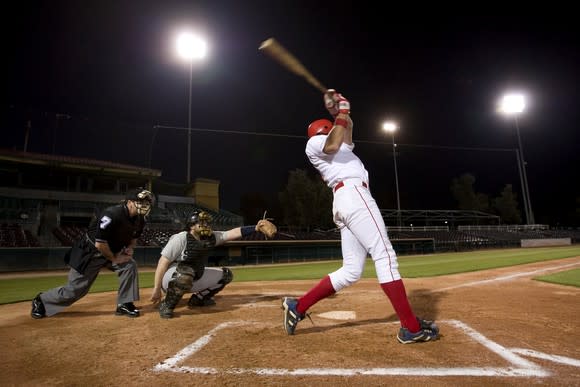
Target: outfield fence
231	254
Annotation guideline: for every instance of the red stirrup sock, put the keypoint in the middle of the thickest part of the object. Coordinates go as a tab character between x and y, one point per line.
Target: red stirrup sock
322	290
396	292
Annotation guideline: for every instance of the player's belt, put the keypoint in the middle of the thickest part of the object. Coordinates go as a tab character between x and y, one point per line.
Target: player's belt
341	184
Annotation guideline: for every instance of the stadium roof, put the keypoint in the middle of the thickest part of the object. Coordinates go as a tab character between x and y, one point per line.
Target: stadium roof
76	163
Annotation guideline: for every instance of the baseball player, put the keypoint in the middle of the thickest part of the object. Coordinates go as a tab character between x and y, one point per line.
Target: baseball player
362	229
108	242
182	265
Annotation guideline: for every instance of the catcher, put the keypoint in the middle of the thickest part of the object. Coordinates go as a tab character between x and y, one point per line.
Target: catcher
182	266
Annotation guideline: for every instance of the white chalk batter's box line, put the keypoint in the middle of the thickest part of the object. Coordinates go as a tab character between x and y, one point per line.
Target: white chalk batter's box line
520	367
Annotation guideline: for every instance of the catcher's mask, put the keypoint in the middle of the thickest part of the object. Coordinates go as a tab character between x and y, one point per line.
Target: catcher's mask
204	220
143	200
317	127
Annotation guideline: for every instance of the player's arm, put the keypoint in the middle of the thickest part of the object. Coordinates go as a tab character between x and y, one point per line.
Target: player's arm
130	249
235	233
339	133
105	250
348	132
162	267
238	232
339	108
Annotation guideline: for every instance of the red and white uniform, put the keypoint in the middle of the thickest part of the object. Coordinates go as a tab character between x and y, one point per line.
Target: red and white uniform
363	231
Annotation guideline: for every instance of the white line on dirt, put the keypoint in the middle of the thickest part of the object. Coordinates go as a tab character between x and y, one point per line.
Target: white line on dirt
519	366
508	277
169	364
553	358
493	346
466	371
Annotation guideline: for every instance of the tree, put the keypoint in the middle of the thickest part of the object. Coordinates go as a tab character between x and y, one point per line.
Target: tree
306	201
465	195
506	205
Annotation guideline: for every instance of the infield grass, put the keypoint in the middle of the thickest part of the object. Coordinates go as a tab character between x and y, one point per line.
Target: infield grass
569	277
25	288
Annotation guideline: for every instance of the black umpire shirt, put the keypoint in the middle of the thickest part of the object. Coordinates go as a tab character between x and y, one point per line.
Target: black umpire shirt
115	227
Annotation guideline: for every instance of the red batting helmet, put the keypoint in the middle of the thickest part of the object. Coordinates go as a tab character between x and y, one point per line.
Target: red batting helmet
317	127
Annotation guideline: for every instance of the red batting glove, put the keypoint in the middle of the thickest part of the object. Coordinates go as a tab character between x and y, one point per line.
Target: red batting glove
343	105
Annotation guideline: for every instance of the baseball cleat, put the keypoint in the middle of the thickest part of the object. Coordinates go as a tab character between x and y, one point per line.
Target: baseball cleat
38	310
429	324
127	309
429	332
291	315
165	311
195	301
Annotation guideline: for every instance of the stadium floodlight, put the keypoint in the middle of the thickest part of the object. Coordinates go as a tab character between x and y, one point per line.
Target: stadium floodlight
191	47
391	127
514	104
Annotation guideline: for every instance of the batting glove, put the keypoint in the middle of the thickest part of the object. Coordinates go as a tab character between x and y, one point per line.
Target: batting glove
335	103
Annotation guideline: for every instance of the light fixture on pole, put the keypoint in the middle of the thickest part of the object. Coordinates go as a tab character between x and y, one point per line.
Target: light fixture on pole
513	105
190	47
391	127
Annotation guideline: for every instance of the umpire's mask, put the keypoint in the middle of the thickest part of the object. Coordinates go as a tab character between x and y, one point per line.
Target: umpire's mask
143	200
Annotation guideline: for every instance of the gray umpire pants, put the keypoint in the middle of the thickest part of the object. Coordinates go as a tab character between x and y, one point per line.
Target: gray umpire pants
78	285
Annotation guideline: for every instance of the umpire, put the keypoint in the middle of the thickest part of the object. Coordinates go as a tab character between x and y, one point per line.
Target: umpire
108	242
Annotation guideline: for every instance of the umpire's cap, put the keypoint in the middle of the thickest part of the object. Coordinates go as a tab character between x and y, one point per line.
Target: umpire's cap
139	195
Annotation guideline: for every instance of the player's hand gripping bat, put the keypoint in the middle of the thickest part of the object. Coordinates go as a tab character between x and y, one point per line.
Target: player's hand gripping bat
280	54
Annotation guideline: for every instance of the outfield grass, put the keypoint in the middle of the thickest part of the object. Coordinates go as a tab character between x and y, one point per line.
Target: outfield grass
22	289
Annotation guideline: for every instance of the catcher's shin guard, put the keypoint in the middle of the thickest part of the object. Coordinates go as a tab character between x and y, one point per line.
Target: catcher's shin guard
171	300
178	285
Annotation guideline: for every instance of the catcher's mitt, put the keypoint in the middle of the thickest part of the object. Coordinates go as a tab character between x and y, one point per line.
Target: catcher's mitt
267	228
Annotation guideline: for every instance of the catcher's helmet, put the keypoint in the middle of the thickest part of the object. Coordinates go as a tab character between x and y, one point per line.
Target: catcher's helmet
203	218
317	127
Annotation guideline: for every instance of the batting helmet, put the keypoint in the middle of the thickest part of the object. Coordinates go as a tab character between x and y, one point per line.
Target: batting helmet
317	127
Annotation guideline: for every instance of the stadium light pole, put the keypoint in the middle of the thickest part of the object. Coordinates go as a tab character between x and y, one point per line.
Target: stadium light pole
190	47
513	105
391	127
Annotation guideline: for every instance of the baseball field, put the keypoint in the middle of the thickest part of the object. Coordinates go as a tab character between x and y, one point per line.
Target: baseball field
507	318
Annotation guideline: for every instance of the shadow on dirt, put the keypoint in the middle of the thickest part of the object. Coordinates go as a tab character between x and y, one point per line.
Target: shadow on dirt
424	304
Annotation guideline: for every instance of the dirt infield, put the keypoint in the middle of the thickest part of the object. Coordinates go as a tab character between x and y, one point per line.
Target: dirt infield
499	328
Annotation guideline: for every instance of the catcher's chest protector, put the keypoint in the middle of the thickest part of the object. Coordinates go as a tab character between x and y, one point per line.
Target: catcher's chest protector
197	252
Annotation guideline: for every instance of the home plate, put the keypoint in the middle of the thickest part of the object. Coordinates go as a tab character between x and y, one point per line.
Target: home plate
339	315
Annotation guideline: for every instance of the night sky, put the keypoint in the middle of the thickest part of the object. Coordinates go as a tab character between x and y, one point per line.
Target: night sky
95	77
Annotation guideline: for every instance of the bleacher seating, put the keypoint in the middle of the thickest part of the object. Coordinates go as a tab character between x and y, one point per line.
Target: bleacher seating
221	220
13	235
156	235
20	222
68	234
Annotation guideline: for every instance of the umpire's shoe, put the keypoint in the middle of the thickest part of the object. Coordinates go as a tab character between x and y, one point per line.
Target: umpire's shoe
127	309
38	310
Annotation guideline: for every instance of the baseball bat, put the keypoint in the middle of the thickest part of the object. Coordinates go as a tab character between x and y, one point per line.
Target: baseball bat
284	57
